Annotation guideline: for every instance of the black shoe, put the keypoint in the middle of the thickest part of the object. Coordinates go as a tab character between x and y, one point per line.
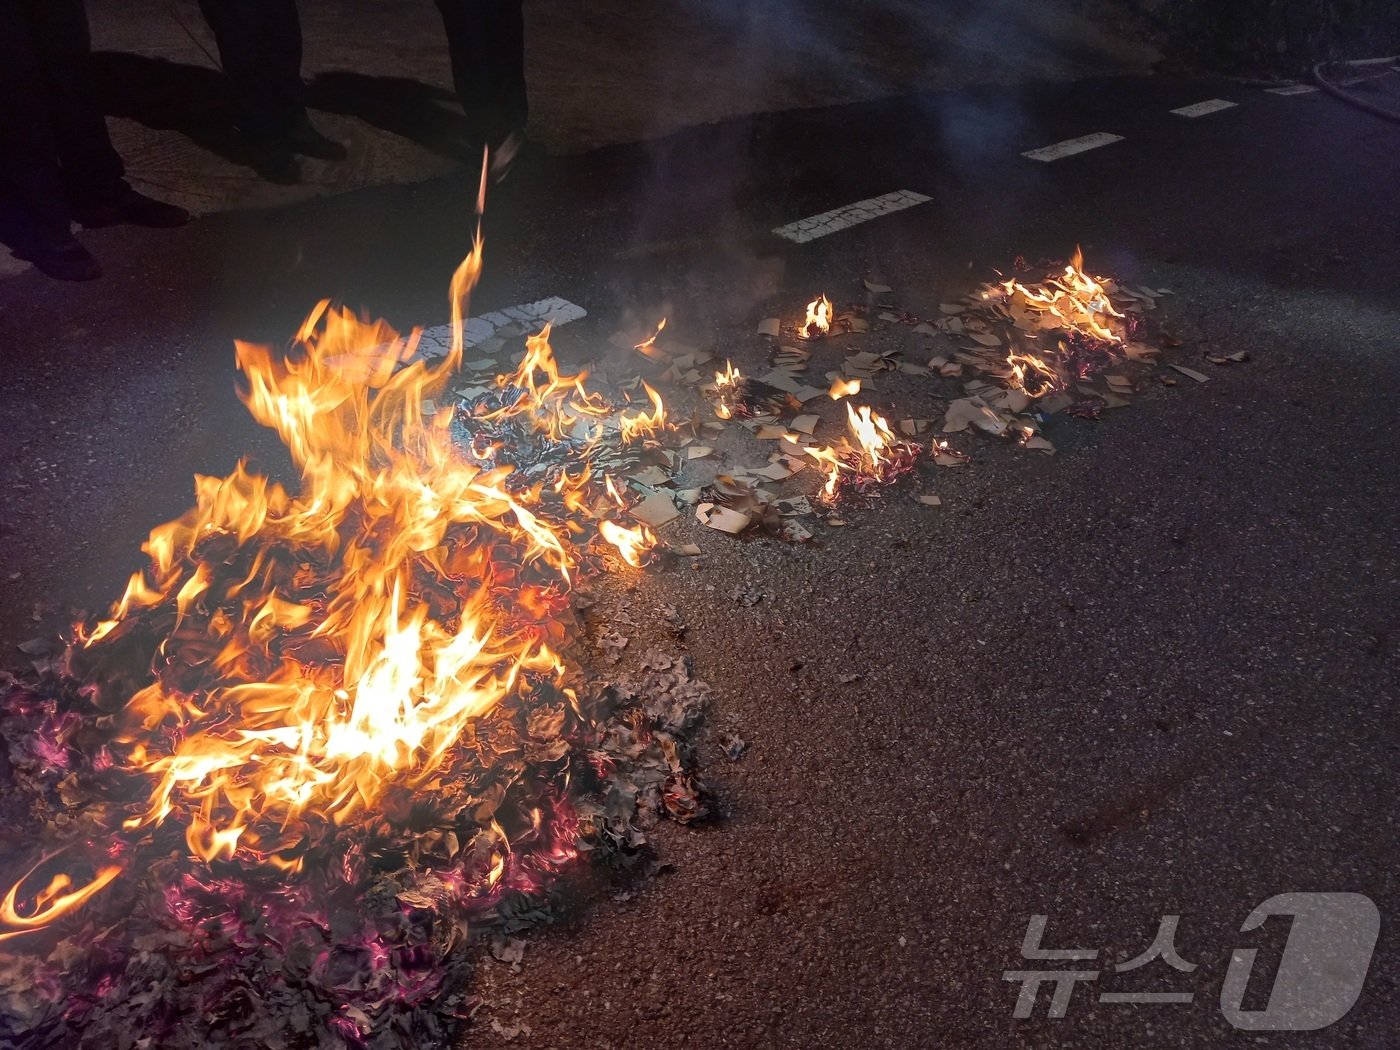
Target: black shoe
306	140
273	160
130	209
62	258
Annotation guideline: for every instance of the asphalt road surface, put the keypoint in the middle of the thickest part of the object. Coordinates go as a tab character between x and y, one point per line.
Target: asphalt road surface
1154	675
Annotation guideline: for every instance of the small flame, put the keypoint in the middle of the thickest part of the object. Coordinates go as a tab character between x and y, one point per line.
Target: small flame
877	454
50	903
818	321
1043	378
873	435
648	346
726	390
1079	301
843	388
630	543
613	491
644	423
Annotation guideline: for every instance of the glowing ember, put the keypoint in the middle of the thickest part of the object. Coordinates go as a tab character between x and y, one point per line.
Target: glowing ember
818	320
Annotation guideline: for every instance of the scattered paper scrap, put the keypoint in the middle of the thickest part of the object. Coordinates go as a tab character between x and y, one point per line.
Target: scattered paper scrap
1191	373
655	510
1238	357
723	519
652	477
973	411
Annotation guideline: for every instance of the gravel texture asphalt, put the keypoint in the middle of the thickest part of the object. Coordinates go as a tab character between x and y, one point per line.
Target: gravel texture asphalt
1154	674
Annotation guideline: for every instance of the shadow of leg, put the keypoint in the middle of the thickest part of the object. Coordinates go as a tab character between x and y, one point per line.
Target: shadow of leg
409	108
195	101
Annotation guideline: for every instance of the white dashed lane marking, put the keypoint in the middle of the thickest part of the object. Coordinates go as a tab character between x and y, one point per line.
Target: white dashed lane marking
1200	109
437	341
1292	89
1070	147
811	228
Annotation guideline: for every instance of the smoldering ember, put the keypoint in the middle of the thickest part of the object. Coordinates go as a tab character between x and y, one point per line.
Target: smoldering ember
959	616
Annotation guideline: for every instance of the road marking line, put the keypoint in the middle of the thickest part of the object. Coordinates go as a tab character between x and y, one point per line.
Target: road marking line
809	229
437	341
1292	89
1200	109
1070	147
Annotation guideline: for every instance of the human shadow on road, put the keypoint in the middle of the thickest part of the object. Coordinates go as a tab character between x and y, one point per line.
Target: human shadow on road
402	106
195	101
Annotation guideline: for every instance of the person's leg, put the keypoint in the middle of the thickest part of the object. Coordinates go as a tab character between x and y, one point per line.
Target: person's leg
29	165
237	26
486	42
279	60
280	47
461	22
510	58
28	146
260	51
239	35
92	169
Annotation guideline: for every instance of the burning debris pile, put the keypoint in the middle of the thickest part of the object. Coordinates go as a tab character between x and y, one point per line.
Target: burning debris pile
1071	343
325	736
1043	346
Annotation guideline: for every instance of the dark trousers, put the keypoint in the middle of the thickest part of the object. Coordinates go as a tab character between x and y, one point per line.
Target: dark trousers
486	39
260	50
54	146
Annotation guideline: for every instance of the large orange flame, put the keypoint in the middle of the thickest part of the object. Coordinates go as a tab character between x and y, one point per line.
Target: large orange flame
343	638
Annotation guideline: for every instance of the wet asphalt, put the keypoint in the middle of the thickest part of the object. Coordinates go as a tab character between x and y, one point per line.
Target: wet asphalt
1152	675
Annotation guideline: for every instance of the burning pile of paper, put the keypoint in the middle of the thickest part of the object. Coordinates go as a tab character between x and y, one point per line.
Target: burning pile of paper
1044	347
326	735
323	734
1070	343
